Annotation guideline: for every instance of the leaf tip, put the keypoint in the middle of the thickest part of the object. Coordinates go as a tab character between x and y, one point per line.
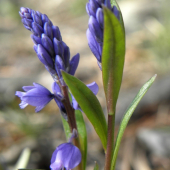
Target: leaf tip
154	77
63	73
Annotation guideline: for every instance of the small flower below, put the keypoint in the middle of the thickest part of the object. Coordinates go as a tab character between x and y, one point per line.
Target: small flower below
66	156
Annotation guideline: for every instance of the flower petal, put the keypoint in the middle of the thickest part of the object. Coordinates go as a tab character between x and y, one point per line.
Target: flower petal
56	89
93	87
95	29
93	45
23	104
44	57
66	155
38	96
74	103
74	64
59	65
75	158
27	88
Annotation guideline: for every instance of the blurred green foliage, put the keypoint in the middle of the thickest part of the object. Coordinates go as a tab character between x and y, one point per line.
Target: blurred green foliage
159	44
78	7
29	124
9	8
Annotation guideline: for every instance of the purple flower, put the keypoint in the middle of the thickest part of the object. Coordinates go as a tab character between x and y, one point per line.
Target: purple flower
93	87
58	99
66	156
48	44
96	24
39	96
36	95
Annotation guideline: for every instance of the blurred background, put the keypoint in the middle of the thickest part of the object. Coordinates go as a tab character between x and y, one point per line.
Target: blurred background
146	142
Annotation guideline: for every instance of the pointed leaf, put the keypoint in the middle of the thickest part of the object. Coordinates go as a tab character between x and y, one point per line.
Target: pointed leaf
66	128
112	58
127	116
114	3
89	105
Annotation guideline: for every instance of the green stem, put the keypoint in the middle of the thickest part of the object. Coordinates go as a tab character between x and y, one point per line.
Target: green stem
110	141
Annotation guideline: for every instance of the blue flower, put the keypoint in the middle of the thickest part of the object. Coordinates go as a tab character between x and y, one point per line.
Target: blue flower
39	97
66	156
36	95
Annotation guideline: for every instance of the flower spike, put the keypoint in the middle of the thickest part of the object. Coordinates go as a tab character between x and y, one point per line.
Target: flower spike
48	44
96	26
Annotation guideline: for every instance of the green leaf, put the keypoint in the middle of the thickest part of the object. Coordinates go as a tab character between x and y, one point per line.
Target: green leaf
114	3
127	116
89	105
112	58
66	128
82	134
96	166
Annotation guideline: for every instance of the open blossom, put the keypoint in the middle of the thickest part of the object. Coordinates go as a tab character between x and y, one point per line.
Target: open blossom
66	156
38	96
96	25
48	44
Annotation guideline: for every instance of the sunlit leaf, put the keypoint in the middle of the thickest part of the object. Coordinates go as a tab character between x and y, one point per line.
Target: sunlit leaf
114	3
89	105
127	116
112	58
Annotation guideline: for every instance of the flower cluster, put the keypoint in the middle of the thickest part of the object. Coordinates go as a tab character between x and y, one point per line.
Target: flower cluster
48	44
55	55
105	26
96	25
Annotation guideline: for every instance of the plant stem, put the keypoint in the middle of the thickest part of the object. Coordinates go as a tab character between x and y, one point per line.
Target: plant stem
69	109
110	141
71	118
